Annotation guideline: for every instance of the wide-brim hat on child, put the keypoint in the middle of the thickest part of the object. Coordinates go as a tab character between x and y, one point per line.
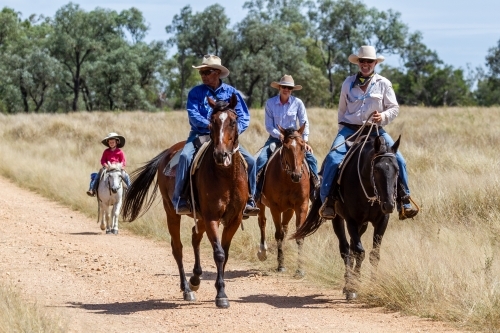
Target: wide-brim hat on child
286	80
213	61
120	140
365	52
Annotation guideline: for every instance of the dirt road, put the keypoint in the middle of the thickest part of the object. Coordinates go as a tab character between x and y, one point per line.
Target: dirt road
105	283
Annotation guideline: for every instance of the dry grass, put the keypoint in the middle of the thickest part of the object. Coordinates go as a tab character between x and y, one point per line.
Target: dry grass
442	265
19	316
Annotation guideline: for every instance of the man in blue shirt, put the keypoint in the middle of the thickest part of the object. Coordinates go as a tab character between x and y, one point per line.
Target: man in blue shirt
199	113
285	110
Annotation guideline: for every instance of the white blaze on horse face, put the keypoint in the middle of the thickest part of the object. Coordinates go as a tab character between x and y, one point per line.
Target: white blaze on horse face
294	143
222	117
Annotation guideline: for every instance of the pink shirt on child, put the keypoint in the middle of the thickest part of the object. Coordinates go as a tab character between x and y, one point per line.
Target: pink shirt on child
113	156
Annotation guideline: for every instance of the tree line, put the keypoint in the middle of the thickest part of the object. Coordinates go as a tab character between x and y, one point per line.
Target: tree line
99	60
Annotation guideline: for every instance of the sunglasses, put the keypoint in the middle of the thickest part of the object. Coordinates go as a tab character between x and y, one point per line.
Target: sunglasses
287	87
207	72
368	61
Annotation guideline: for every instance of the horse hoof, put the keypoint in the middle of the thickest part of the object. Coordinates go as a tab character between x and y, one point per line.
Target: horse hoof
222	303
299	274
193	287
281	269
108	232
262	255
114	231
194	283
103	227
189	296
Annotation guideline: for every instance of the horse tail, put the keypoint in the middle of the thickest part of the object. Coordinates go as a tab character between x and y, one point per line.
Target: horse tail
138	198
313	220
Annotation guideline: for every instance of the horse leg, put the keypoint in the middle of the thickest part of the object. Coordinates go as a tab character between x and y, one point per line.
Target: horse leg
339	229
116	212
102	214
378	233
221	300
357	254
279	235
174	229
262	254
194	281
107	215
300	217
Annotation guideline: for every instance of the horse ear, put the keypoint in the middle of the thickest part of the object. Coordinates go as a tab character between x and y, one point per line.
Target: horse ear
395	146
211	102
233	101
302	128
379	142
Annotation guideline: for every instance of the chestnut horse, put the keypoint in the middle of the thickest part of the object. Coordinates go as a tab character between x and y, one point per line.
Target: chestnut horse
220	190
367	194
285	191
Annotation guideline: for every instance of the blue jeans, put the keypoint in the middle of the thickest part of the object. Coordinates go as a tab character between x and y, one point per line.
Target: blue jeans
186	158
266	153
334	157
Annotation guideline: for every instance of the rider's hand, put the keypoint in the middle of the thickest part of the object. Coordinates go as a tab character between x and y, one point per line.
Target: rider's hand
282	137
377	117
309	148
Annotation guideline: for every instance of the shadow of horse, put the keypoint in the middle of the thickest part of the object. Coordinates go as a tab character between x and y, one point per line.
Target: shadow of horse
221	191
285	191
368	194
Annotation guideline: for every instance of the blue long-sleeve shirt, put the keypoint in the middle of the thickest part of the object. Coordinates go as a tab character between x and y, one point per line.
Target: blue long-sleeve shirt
199	112
286	115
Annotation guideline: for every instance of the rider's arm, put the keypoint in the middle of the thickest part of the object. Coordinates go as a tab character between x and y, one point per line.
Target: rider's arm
242	112
390	104
302	116
271	127
194	102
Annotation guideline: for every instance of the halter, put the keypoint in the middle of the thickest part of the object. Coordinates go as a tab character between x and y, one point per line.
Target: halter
113	171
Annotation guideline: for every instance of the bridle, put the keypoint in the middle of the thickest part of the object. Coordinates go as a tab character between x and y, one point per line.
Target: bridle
376	197
109	179
235	149
285	165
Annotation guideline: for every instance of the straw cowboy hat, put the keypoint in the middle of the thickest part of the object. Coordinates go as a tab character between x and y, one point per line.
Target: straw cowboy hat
286	80
213	61
365	52
120	139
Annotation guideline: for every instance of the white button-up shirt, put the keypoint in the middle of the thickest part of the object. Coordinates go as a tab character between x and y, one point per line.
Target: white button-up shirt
286	115
355	106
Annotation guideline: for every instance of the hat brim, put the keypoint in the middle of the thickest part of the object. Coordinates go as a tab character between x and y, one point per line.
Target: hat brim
355	59
120	144
277	85
224	72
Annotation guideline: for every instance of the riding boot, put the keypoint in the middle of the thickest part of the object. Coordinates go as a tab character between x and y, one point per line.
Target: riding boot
403	202
93	182
327	210
314	186
183	207
251	208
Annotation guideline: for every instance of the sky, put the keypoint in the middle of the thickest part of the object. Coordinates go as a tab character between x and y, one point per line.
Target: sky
461	32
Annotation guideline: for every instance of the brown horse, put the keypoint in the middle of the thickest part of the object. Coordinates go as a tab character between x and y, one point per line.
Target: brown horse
221	192
285	191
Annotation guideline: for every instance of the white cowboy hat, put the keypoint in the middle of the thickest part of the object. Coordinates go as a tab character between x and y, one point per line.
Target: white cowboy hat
286	80
213	61
120	139
366	52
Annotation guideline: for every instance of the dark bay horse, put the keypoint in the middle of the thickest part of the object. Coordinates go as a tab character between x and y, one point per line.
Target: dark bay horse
221	192
367	194
285	192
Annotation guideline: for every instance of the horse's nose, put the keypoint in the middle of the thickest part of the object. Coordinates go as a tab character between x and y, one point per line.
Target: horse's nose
387	207
296	177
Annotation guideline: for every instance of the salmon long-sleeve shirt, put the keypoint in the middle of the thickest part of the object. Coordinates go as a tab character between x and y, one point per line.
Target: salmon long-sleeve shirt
113	156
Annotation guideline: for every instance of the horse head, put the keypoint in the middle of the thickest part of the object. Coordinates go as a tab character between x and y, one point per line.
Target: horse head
293	151
224	130
384	173
114	176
